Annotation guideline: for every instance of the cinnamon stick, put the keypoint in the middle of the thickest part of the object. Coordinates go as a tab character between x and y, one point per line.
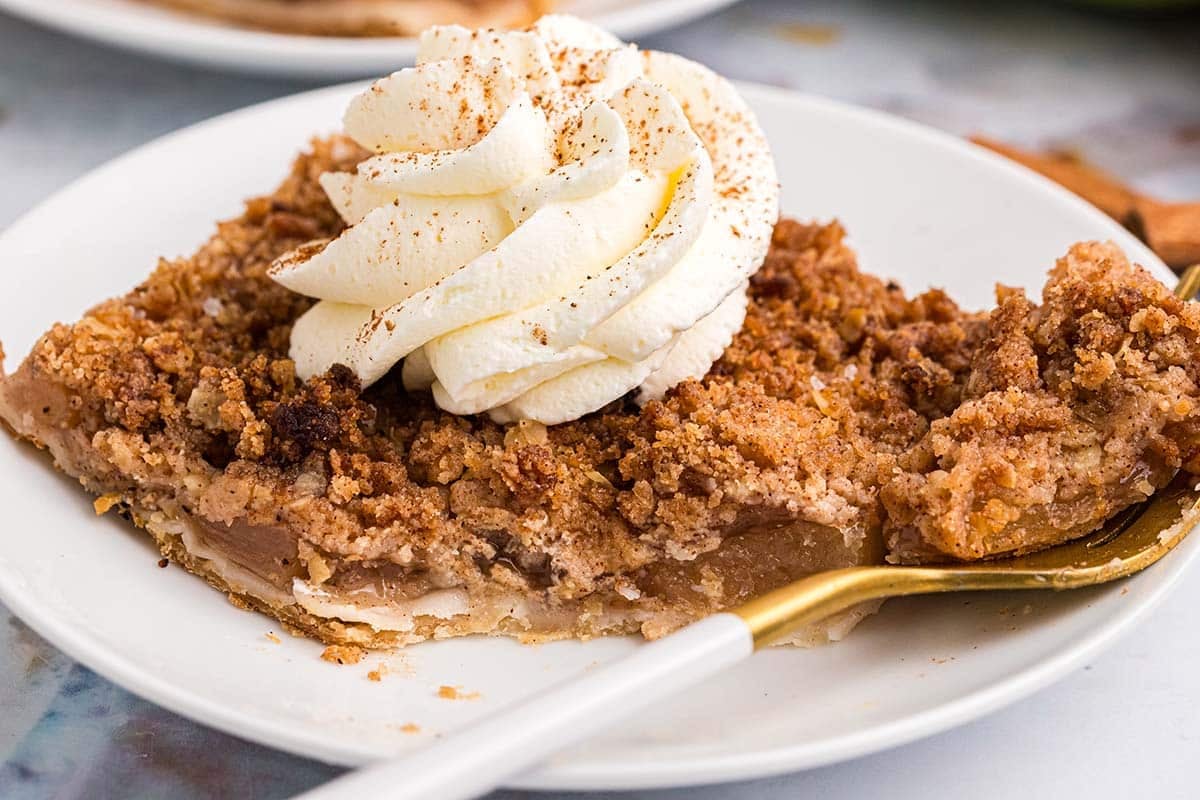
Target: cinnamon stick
1171	229
1102	190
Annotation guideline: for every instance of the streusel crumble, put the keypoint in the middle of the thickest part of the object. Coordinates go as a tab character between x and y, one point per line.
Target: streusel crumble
843	423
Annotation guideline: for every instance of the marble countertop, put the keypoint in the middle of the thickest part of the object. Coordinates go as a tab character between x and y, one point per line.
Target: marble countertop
1122	90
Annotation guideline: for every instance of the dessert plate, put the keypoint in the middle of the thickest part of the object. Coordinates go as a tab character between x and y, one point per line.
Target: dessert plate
145	28
922	207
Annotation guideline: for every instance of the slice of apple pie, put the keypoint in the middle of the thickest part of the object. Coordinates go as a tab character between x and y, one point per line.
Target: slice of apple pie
361	17
841	415
529	355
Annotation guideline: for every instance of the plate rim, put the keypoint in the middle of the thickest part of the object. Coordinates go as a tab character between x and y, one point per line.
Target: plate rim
142	681
161	33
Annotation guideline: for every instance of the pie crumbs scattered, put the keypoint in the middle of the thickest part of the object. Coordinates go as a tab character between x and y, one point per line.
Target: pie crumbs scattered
104	503
342	654
454	693
272	638
409	727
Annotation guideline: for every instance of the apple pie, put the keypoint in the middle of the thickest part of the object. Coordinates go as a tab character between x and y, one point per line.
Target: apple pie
845	424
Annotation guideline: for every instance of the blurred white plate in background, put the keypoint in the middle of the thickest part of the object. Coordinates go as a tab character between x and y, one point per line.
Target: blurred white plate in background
161	32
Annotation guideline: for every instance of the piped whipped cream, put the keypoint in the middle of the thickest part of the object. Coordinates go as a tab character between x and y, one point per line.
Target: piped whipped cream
553	218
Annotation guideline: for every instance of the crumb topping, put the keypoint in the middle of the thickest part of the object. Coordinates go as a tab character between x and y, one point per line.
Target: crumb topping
841	403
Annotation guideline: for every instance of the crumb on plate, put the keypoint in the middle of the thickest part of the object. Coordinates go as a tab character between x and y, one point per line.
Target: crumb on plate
342	654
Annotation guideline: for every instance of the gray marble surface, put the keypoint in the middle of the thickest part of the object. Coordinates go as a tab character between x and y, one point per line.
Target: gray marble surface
1123	90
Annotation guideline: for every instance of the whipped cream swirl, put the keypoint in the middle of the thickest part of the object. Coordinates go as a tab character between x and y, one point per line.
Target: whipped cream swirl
552	219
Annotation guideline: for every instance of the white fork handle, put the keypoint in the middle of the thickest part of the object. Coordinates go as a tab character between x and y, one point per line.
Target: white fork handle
509	742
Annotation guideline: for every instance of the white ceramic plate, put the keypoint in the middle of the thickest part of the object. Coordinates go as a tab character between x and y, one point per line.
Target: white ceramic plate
161	32
922	207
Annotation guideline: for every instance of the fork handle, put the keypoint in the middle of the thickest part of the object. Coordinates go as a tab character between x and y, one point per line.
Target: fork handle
522	735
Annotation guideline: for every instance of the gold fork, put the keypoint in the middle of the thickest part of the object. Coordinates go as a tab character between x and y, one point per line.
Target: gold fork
1130	542
468	763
